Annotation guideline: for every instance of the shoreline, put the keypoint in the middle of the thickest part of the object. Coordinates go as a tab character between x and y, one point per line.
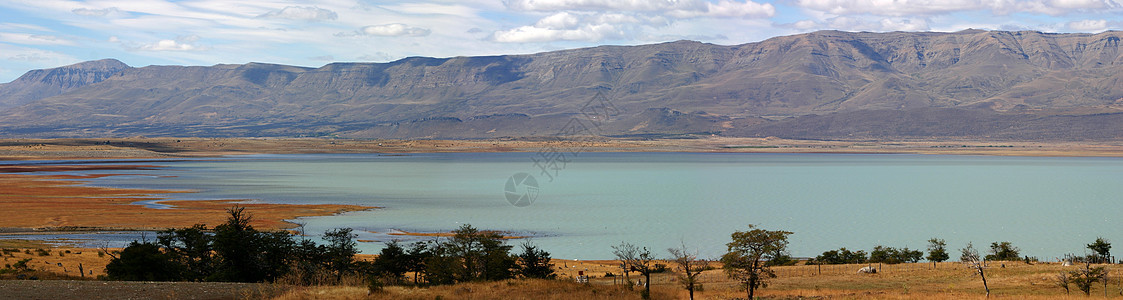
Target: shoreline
173	148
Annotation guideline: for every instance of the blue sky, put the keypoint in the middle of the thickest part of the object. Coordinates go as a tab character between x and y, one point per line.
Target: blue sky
36	34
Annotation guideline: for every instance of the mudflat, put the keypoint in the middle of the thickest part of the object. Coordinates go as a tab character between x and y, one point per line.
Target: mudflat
38	203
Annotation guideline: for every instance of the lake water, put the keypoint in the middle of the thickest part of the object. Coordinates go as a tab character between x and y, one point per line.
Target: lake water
1047	206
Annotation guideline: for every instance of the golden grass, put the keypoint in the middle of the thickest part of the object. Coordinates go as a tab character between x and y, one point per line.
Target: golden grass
1016	280
58	263
509	289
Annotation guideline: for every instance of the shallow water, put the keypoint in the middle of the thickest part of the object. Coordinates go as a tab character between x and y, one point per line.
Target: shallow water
1046	206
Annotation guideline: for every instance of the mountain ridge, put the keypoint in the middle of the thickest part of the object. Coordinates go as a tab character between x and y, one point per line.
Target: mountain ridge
822	85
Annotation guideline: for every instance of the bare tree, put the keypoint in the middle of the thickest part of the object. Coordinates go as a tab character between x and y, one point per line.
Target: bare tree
970	256
1062	281
105	249
689	265
748	255
1085	277
639	260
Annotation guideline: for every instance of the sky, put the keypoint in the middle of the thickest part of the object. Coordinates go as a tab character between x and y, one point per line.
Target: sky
37	34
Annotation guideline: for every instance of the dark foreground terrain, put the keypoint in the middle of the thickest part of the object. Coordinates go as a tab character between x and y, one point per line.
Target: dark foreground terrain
72	289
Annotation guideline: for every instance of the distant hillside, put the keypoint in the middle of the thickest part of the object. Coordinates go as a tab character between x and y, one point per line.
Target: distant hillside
821	85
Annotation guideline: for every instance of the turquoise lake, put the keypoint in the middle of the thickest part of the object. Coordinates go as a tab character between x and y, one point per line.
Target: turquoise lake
1047	206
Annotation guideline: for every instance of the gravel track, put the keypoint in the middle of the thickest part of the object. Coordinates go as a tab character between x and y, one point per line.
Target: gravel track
70	289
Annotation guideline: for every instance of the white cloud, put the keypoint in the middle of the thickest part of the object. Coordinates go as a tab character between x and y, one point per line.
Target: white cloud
395	29
599	20
434	9
302	13
680	8
582	26
33	39
16	60
938	7
377	56
889	7
590	5
562	20
185	43
111	11
847	23
23	27
899	24
1087	25
804	25
726	8
531	34
13	53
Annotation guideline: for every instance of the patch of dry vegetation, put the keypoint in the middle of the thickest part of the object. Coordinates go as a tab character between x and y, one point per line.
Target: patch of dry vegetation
51	263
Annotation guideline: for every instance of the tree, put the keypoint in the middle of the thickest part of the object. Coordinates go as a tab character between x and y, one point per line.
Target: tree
340	251
535	262
1003	251
937	251
970	256
637	260
143	261
886	255
247	255
392	262
1102	249
687	263
470	255
1085	277
416	256
841	256
191	248
483	254
747	254
910	256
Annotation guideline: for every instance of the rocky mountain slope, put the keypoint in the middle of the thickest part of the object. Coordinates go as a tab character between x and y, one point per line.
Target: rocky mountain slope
821	85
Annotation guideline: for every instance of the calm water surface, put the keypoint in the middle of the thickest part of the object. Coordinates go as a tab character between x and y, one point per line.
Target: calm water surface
1046	206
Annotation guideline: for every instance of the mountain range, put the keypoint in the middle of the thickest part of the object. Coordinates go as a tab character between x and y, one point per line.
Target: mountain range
971	84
